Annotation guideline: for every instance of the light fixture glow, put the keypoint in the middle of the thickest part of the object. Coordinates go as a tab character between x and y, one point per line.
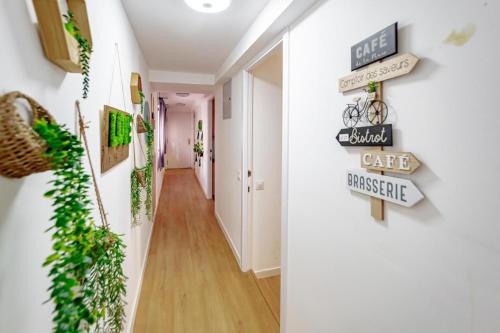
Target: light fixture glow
208	6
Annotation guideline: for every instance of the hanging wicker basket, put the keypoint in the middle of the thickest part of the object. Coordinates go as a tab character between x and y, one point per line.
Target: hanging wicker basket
141	176
21	148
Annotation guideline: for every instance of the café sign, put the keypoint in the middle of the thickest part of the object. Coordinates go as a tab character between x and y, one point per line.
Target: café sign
376	47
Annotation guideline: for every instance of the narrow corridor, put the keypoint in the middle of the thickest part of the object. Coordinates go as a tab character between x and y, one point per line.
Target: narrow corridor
192	282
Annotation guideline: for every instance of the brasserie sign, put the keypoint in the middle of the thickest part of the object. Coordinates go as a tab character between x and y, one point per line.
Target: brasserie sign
397	190
376	47
367	136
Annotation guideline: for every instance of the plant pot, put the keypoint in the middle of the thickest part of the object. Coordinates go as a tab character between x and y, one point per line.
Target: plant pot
141	128
135	88
59	46
21	148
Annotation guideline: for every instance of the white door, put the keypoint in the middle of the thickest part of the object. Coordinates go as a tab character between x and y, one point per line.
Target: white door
179	140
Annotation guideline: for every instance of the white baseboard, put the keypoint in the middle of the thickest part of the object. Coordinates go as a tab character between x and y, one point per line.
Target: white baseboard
268	272
130	324
228	239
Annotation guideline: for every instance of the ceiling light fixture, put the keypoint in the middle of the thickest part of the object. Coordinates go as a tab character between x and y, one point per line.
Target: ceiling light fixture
208	6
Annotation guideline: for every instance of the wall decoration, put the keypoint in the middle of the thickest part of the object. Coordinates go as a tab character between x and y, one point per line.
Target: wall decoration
376	47
397	190
389	69
372	109
84	49
379	135
59	45
87	278
140	126
21	147
116	137
405	163
136	88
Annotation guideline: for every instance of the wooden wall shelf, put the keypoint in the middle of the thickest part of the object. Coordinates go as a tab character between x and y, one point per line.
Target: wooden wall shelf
59	46
135	87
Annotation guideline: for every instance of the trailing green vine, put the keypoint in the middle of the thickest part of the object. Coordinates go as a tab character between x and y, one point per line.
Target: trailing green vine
87	280
135	196
143	97
149	169
85	50
108	280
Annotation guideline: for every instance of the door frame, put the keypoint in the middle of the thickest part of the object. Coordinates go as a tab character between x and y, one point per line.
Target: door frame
246	217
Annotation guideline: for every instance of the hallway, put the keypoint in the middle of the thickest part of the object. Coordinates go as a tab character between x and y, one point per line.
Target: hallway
192	282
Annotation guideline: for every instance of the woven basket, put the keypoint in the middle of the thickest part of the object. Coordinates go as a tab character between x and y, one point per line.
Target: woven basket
21	148
141	176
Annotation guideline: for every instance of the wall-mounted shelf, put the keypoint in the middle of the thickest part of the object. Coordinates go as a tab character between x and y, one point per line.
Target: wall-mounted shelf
140	127
135	87
59	46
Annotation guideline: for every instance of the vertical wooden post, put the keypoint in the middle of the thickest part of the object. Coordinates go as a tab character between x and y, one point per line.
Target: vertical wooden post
377	205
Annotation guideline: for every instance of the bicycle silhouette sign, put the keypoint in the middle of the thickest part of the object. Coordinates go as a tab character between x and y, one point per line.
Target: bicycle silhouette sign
372	109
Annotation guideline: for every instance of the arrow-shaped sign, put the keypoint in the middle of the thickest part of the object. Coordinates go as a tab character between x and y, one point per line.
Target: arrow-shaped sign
394	67
367	136
397	190
389	161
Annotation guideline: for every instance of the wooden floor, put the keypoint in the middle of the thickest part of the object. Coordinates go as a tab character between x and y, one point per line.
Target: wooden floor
192	282
270	289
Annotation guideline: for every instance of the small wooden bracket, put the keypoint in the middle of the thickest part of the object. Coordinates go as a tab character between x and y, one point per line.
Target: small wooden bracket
135	88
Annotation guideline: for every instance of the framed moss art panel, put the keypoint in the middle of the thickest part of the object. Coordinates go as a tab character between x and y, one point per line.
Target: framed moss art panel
116	131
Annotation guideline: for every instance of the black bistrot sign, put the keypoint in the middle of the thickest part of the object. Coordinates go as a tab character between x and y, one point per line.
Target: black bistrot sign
378	46
379	135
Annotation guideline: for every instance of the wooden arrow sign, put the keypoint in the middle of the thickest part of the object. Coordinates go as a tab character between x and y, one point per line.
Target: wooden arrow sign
394	67
387	161
397	190
379	135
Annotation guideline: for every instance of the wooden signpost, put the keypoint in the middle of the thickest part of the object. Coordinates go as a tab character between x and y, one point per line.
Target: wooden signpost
397	190
405	163
379	135
378	46
392	68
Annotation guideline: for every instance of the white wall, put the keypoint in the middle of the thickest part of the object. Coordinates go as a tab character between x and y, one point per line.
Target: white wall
433	268
203	112
266	204
24	213
228	143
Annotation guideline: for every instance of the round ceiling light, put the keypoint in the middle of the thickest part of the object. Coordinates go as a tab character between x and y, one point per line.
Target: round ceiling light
208	6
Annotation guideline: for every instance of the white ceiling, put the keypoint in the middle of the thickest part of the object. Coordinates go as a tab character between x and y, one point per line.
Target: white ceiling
174	37
173	101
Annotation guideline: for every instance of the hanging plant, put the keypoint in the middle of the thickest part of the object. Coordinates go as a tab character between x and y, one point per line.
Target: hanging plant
143	98
135	191
149	169
372	87
85	50
87	280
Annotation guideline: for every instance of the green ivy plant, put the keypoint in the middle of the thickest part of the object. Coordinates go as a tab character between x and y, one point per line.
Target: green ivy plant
143	98
149	169
372	86
135	190
85	50
87	280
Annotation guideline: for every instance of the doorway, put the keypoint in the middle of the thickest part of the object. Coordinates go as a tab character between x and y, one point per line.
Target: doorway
179	139
264	156
212	151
